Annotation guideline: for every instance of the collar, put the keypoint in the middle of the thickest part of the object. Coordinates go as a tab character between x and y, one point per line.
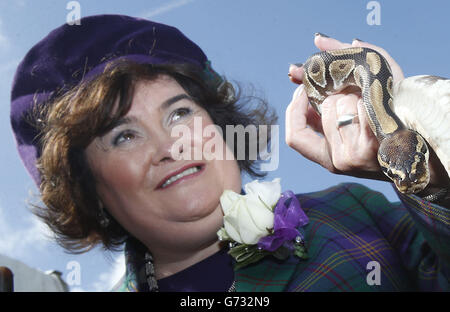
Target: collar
269	274
214	273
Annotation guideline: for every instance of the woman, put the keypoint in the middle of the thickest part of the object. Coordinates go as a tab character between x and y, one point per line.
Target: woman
93	110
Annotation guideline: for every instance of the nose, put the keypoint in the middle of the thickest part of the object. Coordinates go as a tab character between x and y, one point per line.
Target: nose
167	149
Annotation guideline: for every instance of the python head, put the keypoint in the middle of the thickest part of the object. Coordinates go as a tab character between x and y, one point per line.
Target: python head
403	157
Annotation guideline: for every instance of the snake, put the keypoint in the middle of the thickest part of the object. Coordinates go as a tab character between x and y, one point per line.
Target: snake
405	117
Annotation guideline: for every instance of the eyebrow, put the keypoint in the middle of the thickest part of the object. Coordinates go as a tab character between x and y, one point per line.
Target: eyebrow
123	121
165	105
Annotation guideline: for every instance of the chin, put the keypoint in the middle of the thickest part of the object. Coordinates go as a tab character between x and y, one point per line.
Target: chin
203	204
193	201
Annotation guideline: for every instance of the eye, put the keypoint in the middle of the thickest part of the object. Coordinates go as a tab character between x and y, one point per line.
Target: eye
124	136
180	113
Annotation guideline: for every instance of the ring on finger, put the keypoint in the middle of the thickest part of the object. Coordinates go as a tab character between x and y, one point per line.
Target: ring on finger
347	119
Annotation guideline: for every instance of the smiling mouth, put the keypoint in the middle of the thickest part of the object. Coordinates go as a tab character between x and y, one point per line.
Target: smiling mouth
182	174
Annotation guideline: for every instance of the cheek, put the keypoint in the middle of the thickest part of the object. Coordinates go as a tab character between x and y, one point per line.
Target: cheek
217	152
229	170
120	180
119	171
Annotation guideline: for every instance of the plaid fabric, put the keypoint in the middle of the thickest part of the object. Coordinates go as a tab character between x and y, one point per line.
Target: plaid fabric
351	226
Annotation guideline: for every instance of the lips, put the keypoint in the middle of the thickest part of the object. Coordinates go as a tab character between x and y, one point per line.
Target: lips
179	175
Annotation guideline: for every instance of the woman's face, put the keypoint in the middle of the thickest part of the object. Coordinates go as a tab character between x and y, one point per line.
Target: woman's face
164	201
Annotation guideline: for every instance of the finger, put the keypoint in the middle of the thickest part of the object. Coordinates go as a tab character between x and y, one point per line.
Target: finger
367	137
366	131
329	119
335	146
326	43
396	70
298	92
301	137
314	120
347	105
296	73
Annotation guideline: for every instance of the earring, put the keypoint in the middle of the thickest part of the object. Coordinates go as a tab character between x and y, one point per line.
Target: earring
102	215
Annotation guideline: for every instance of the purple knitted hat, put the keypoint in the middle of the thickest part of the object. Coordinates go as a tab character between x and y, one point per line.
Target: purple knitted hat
74	53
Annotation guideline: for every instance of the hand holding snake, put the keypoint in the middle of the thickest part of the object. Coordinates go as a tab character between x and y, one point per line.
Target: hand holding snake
354	149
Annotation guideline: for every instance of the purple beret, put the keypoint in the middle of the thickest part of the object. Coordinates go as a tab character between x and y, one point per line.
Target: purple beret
72	53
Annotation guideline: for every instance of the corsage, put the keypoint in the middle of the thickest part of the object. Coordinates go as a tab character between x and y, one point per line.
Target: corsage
262	222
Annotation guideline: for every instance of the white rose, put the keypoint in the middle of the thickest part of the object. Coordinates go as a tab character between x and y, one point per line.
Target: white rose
249	217
268	192
228	199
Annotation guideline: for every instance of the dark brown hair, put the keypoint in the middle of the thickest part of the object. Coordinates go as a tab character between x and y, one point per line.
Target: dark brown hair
72	120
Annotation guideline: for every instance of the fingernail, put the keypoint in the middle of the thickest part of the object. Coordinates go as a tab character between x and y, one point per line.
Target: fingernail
296	65
321	35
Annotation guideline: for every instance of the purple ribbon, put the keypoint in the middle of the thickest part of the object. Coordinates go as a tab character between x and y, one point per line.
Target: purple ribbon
287	218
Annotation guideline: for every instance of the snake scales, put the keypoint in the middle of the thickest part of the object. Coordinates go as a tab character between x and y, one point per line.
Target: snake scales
397	113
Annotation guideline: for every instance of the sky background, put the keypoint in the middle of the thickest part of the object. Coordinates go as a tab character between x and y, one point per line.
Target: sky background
249	41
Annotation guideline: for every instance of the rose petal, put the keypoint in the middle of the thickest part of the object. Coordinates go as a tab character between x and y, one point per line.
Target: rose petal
261	216
268	192
249	232
231	225
228	200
